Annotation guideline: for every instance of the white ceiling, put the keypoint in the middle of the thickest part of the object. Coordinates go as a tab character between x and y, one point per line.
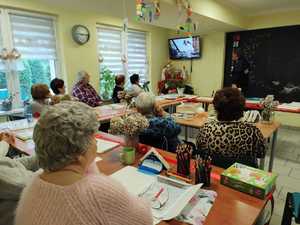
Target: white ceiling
169	14
258	7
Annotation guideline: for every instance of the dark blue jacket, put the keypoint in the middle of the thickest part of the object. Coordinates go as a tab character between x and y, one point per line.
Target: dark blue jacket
162	133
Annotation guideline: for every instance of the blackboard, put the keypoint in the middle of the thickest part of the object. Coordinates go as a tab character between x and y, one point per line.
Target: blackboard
274	58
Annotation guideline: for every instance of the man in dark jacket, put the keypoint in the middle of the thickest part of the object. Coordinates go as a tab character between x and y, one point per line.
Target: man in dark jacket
240	72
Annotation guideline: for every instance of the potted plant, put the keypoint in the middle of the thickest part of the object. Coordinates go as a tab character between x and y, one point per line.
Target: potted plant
107	83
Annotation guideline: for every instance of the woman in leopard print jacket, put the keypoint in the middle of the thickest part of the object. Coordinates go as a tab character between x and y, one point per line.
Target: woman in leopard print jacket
227	139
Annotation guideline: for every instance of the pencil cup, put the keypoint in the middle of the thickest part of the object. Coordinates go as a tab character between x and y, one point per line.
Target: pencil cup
127	156
204	177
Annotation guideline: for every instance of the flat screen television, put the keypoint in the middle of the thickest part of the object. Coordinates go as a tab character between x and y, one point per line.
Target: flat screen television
185	48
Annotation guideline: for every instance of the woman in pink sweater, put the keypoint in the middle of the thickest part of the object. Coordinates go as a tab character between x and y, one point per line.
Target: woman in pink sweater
66	192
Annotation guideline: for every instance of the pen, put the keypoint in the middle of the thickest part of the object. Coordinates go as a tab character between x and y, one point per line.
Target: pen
159	193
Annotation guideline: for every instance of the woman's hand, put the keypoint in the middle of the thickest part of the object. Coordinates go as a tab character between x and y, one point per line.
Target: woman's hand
7	137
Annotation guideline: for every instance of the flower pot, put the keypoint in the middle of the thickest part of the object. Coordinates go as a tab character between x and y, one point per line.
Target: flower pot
180	91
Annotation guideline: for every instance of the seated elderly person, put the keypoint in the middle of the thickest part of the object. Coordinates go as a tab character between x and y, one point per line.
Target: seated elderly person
58	86
119	87
71	190
229	140
14	175
41	98
162	131
135	88
84	91
59	89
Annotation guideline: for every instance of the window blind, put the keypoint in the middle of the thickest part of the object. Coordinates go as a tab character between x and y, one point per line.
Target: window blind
34	37
137	54
110	48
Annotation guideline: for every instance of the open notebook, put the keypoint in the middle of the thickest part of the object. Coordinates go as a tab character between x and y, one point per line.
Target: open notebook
104	145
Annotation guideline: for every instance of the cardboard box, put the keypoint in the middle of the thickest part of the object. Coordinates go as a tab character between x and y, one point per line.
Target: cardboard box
249	180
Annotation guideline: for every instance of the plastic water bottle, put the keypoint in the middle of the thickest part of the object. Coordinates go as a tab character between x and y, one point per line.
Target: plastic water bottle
28	112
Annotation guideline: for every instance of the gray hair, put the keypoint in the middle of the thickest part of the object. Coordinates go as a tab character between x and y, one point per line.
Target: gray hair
145	103
80	75
63	133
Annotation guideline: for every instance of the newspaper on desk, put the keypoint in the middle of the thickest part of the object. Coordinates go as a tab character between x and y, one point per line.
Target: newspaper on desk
198	207
166	196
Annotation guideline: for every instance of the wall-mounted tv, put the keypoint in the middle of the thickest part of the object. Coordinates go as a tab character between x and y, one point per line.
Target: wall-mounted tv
185	48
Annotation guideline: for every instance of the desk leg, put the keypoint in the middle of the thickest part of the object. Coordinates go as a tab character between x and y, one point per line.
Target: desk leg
186	133
262	163
272	154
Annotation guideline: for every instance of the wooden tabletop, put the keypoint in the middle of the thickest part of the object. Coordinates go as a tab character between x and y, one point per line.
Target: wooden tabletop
165	102
199	119
230	208
106	112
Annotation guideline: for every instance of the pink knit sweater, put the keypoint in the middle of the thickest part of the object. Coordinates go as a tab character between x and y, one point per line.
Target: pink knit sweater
94	200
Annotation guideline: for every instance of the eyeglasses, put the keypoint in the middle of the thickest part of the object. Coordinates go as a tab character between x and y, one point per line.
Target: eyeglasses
157	194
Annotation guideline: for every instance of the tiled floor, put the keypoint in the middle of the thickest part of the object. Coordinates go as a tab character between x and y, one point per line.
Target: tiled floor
286	164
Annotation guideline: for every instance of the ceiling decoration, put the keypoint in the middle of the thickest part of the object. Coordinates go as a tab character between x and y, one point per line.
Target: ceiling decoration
147	10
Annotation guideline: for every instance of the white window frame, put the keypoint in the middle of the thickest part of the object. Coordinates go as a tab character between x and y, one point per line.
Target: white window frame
124	49
8	43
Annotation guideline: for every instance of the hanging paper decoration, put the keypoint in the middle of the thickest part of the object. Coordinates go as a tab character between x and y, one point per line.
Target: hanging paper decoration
147	11
188	27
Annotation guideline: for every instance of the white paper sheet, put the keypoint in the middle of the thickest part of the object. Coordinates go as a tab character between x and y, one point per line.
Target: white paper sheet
104	145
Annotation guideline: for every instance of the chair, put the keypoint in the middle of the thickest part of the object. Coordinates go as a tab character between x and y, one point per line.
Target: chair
291	209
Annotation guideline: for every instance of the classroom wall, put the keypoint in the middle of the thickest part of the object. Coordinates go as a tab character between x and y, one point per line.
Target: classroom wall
75	57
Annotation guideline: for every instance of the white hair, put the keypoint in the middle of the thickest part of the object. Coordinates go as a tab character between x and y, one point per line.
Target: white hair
80	75
64	132
145	103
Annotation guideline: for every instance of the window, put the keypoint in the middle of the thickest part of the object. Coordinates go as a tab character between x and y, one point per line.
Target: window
137	54
33	36
110	48
122	52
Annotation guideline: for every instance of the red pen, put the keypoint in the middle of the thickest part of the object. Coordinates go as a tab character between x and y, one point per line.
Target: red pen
159	193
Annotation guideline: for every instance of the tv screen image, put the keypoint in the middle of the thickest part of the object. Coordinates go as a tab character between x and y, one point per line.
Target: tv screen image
184	48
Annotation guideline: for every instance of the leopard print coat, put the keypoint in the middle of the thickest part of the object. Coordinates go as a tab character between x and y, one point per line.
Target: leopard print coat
234	140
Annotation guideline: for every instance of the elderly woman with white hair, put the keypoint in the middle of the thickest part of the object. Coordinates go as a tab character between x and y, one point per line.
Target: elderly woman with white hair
68	191
84	91
162	131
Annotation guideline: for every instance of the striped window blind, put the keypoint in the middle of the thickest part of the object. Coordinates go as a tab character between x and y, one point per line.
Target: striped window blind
110	48
34	37
137	54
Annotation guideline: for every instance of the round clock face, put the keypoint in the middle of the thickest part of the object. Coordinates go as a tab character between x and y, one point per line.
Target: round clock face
80	34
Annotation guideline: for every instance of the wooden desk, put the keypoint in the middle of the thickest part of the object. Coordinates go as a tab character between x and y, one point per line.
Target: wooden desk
107	112
267	130
230	208
164	102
